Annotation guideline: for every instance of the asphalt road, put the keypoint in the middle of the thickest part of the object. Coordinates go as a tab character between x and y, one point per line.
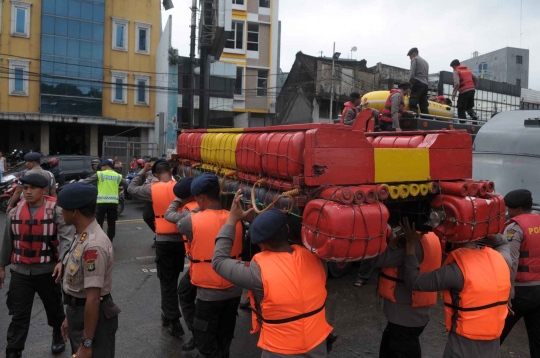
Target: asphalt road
355	313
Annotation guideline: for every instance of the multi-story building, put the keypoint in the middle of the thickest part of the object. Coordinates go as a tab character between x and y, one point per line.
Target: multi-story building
253	47
509	65
76	71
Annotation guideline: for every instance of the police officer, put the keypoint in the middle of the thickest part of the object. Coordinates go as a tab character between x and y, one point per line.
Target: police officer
92	316
419	79
476	287
407	311
287	284
35	262
108	183
217	299
465	82
170	250
187	292
148	210
393	108
33	164
523	233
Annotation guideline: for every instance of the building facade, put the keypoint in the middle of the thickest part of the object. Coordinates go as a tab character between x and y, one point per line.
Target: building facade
509	65
76	71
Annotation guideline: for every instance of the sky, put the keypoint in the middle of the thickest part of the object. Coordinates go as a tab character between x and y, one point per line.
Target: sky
384	31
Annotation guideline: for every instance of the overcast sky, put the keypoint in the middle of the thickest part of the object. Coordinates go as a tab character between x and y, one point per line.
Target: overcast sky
383	31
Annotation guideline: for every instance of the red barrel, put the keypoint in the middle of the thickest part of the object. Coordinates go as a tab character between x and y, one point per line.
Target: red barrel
365	193
182	145
189	145
337	232
343	195
248	152
469	218
455	188
283	154
398	141
473	189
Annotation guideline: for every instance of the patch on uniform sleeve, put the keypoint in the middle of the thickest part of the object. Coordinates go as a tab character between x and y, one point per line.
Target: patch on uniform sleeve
83	237
247	263
510	234
70	279
90	255
49	211
90	265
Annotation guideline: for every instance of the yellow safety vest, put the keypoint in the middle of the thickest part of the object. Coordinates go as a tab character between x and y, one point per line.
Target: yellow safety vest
108	183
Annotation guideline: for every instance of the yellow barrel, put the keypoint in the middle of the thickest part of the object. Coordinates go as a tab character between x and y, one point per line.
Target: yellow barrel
220	149
377	99
394	191
403	191
424	189
414	189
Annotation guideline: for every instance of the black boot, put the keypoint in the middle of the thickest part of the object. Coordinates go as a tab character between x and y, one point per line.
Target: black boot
189	346
175	329
12	353
164	321
58	345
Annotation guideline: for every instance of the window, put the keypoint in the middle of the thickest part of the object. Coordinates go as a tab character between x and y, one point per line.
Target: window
253	37
120	34
239	83
518	82
119	87
20	18
18	77
264	3
519	60
142	90
239	4
142	38
262	83
235	42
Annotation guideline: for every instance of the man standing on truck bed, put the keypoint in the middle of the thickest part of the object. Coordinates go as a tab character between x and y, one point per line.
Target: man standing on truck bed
522	231
419	79
465	82
393	108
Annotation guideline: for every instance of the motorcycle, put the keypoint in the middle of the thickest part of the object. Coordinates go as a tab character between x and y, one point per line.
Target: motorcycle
15	157
6	195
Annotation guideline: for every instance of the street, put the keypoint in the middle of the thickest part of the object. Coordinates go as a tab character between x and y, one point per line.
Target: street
354	312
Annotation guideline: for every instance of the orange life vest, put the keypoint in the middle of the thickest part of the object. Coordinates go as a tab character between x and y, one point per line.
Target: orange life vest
162	197
432	261
291	316
465	78
192	205
386	115
206	225
483	301
34	239
529	251
346	107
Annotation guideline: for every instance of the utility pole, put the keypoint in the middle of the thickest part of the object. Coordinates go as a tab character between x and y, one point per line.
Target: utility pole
332	88
191	119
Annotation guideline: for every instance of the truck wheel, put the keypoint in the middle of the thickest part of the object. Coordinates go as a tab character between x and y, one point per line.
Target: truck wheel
338	269
4	202
120	208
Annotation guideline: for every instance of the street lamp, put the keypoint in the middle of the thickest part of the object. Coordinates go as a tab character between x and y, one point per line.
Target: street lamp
335	56
167	4
353	49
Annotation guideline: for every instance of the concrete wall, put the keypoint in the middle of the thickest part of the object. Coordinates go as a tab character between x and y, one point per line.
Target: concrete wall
347	79
389	75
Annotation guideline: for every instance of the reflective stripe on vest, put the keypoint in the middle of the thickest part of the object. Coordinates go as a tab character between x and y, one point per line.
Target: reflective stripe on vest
481	309
386	115
108	183
206	225
162	197
35	239
293	303
432	261
529	251
465	78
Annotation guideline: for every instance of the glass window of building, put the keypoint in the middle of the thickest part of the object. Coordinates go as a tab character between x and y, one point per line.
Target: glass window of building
253	37
239	4
235	42
20	18
120	34
519	60
262	83
264	3
18	79
142	38
119	87
239	82
142	90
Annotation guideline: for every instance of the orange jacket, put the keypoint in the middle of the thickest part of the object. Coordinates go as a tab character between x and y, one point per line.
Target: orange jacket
206	225
432	261
529	251
483	301
162	197
192	205
291	316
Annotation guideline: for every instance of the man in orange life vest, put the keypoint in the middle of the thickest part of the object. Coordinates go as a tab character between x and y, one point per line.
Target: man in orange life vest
393	108
35	240
465	82
350	111
476	286
407	311
523	233
187	292
217	299
286	283
170	249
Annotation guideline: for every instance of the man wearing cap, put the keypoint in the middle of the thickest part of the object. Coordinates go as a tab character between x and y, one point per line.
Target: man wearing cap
418	78
91	315
476	286
393	108
217	299
350	111
187	292
35	261
170	249
108	183
33	164
523	233
465	82
286	283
